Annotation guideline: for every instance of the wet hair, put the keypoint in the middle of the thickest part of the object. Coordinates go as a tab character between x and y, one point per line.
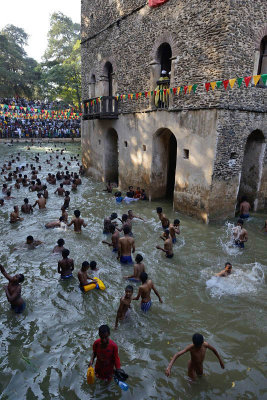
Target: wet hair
129	287
112	228
61	185
138	258
126	230
159	210
227	263
26	201
21	278
61	242
143	277
240	221
93	265
67	193
113	216
104	329
176	222
61	219
8	193
39	194
124	217
77	213
197	339
65	253
29	238
85	265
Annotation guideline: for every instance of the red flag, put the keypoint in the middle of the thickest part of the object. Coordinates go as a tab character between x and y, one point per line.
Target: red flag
165	90
156	3
247	79
129	96
136	95
145	94
185	89
225	83
207	86
174	90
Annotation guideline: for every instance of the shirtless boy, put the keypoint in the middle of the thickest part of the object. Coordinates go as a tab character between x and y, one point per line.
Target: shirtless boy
164	220
66	265
198	352
14	216
59	247
126	247
132	216
138	269
167	244
77	222
114	239
31	243
64	214
26	208
144	291
13	291
240	234
60	190
226	271
244	208
174	229
41	201
83	276
108	222
125	305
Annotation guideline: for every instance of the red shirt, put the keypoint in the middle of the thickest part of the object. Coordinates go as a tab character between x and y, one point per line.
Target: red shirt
107	358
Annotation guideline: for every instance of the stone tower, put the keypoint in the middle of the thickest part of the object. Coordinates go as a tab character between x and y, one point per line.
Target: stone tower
204	149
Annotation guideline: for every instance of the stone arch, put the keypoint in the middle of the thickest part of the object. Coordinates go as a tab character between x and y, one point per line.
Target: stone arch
259	36
165	37
163	168
252	168
262	67
111	156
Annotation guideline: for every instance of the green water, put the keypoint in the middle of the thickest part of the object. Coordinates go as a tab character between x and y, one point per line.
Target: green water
44	351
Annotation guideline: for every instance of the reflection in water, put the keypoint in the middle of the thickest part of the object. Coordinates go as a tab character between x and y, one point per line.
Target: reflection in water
44	352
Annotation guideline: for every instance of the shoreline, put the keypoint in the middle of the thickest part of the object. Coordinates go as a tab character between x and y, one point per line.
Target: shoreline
38	140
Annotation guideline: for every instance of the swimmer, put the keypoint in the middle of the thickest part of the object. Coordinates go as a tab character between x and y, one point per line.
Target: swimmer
114	239
8	196
31	243
66	265
59	247
167	244
126	247
45	192
144	292
226	271
245	207
56	224
26	208
198	352
163	219
83	276
41	201
108	222
14	216
17	185
174	229
138	269
131	216
78	222
13	291
125	305
240	234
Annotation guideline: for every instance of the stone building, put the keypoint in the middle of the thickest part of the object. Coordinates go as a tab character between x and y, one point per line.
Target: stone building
205	149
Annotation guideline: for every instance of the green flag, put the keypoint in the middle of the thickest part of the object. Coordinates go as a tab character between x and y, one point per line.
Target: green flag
264	78
218	84
239	81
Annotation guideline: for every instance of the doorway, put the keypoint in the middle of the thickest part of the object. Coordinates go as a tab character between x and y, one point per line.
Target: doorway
111	160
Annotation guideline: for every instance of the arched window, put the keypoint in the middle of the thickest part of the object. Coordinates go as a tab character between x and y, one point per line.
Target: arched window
262	69
164	55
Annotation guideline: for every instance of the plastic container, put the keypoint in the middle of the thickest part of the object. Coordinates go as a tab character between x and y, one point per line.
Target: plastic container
90	375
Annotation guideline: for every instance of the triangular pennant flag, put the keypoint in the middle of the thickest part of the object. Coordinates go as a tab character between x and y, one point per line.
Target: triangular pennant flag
181	89
185	89
165	91
124	96
136	95
195	87
207	86
218	84
171	89
190	88
213	85
152	92
146	93
174	90
178	90
232	82
264	78
256	79
129	96
168	91
225	83
247	79
239	81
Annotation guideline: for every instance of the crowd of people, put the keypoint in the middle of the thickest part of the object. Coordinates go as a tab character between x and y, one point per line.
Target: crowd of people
119	237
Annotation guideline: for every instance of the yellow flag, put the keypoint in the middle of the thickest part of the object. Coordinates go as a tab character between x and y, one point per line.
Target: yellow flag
232	82
213	85
189	88
168	91
131	96
256	79
124	96
178	90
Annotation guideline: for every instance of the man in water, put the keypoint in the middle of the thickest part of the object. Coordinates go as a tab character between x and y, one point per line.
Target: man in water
162	217
56	224
41	201
83	276
144	291
131	216
240	234
59	247
125	304
64	214
126	221
138	269
106	353
198	352
167	244
245	207
108	222
226	271
31	243
26	208
114	239
78	222
13	291
60	190
66	265
14	216
174	229
126	247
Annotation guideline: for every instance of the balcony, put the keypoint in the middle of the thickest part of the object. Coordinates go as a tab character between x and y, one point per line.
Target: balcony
106	108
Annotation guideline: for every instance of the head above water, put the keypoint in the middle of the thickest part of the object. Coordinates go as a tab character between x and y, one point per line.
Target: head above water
138	258
143	277
176	222
20	278
77	213
93	265
159	210
85	265
228	266
244	198
61	242
197	339
124	217
240	222
29	239
126	230
113	216
128	291
65	253
166	233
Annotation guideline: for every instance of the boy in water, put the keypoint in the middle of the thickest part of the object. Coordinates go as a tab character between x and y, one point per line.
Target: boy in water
114	239
138	269
78	222
59	247
144	291
167	244
26	208
245	207
13	291
198	352
31	243
226	271
240	234
14	216
126	247
83	276
174	229
162	217
41	201
66	265
125	304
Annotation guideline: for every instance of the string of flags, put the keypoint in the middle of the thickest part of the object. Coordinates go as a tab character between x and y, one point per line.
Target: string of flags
187	89
35	113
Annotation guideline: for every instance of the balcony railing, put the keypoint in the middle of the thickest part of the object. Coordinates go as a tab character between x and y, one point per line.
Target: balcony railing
162	99
105	108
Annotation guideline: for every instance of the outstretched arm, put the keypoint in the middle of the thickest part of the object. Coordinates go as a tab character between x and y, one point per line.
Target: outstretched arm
72	222
216	354
160	248
8	277
174	358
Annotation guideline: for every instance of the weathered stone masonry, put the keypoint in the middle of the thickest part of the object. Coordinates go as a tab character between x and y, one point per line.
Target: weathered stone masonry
210	41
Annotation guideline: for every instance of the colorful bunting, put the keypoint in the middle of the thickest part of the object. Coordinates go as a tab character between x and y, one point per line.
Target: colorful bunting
232	82
247	79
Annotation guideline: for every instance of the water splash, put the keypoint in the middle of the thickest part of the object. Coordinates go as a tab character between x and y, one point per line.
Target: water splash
226	242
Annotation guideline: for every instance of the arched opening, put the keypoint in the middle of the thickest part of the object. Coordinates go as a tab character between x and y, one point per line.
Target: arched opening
164	55
163	164
108	73
92	86
111	156
252	168
262	69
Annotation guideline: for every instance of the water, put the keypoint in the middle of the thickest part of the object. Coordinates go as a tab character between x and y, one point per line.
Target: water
45	351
